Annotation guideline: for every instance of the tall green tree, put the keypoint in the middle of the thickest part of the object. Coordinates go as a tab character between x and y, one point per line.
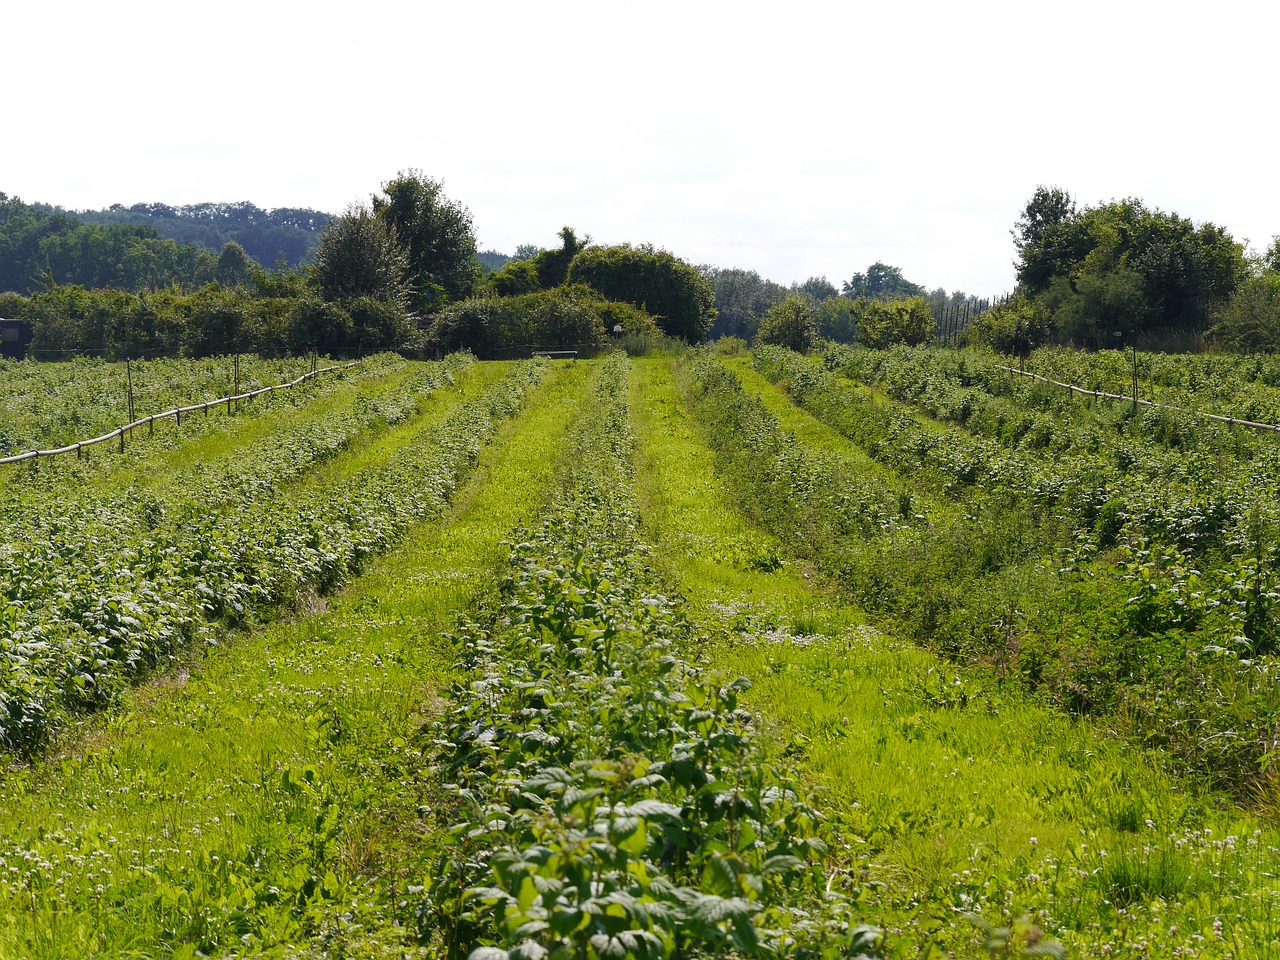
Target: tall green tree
837	318
816	290
742	297
361	256
235	267
1046	245
1122	266
437	236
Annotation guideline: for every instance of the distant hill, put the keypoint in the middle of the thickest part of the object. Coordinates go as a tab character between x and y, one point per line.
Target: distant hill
288	233
492	260
41	246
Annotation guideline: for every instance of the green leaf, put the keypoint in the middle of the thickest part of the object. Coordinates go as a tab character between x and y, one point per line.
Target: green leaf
720	878
528	950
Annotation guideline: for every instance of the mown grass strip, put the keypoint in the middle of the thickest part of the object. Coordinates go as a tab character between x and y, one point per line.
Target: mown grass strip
263	799
951	794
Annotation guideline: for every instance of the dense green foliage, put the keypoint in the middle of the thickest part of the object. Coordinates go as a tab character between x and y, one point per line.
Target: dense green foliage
680	298
565	317
837	318
789	324
284	236
1122	266
277	314
881	282
436	234
1249	321
40	248
742	297
360	255
885	323
119	289
1017	326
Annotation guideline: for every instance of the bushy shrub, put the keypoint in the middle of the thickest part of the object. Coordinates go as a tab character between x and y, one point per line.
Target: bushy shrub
516	277
680	298
908	321
1016	327
1250	319
837	318
559	317
789	324
731	346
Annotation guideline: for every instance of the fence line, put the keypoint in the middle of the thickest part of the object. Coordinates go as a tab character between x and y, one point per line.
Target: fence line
176	413
1102	395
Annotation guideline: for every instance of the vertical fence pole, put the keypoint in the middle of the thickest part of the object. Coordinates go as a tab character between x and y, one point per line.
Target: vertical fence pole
128	372
1135	378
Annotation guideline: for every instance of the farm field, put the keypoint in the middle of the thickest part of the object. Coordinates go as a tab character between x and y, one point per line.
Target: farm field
873	653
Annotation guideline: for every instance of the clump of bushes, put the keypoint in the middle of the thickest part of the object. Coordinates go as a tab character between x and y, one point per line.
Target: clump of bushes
562	316
789	324
1016	327
908	321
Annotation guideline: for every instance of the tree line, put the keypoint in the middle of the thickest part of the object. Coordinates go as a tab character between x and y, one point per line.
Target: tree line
402	271
284	236
398	272
1123	272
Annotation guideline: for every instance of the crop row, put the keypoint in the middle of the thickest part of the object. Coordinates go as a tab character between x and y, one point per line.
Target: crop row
49	404
295	442
1228	384
86	610
970	389
607	797
1196	503
146	449
1164	619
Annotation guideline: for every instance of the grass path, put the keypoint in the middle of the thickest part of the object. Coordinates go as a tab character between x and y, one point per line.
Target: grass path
245	804
952	795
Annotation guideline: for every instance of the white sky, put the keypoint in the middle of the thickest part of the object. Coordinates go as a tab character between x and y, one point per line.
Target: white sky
793	138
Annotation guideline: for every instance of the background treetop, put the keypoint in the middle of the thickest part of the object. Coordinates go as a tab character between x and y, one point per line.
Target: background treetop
881	282
437	235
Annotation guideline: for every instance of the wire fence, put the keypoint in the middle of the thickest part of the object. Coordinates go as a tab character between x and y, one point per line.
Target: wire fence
1133	398
175	414
950	321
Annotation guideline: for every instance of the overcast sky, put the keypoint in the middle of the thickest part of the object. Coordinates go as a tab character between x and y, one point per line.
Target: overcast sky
796	138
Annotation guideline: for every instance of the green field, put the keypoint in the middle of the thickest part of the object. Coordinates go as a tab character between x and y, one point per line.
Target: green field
882	653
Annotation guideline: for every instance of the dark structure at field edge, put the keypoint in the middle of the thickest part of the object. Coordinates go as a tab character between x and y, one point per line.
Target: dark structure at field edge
15	336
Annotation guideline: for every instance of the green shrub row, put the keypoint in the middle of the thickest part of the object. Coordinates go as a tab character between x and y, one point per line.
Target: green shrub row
607	797
1157	608
97	595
